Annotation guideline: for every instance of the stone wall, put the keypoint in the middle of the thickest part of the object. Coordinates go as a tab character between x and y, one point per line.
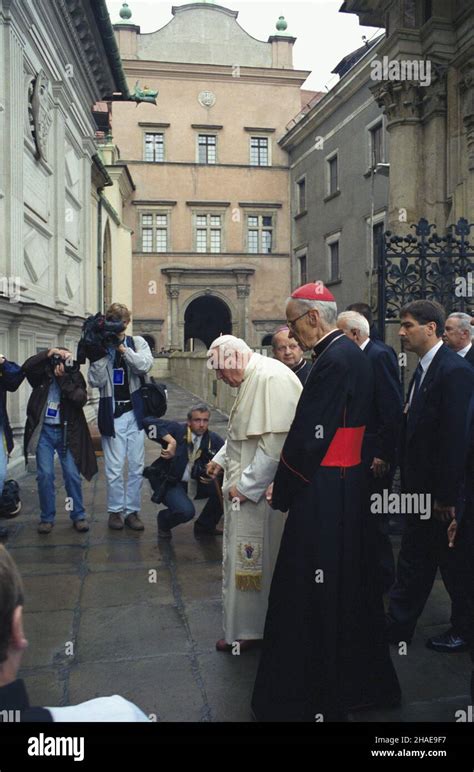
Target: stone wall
189	370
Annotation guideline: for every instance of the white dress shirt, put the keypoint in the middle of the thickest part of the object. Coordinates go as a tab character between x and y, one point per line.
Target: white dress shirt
465	350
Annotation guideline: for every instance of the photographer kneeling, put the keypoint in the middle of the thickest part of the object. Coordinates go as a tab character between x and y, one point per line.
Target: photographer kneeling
116	366
55	421
172	479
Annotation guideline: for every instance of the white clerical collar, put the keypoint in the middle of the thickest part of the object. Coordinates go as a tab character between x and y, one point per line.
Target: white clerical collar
465	350
364	344
427	359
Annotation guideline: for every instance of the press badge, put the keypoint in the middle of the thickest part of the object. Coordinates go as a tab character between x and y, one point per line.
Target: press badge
119	378
52	409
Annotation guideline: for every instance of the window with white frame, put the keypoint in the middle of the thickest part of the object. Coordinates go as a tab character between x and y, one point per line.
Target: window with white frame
334	261
154	232
154	146
333	256
260	229
208	233
301	195
376	145
303	270
207	147
259	155
332	175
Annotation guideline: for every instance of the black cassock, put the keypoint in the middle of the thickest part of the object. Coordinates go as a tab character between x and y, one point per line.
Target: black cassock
325	648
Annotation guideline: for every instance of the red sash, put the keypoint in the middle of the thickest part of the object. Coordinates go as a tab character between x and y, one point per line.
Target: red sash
345	447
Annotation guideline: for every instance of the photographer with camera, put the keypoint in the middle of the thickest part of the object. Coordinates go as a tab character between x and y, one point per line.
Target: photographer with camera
11	377
118	362
55	421
173	478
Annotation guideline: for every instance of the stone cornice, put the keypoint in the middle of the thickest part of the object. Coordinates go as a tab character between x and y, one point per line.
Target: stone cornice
136	69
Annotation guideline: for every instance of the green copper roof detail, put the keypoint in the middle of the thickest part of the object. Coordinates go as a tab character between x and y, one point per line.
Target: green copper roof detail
281	24
125	12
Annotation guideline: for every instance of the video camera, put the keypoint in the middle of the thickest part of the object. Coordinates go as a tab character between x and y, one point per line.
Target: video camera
98	331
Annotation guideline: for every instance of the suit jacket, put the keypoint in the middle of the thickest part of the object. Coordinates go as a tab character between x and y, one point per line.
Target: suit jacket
383	427
14	697
470	356
210	442
435	442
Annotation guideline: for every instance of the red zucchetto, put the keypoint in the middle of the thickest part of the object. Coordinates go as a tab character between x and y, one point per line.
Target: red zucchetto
315	290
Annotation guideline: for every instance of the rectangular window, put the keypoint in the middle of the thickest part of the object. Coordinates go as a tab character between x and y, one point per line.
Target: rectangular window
260	234
154	232
377	240
207	144
303	269
209	233
333	175
334	261
301	195
376	148
259	151
154	147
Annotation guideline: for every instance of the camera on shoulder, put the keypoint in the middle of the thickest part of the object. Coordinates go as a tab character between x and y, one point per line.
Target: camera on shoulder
99	332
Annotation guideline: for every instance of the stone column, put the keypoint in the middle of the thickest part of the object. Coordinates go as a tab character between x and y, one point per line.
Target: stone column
243	292
401	102
58	221
172	292
466	87
13	96
435	159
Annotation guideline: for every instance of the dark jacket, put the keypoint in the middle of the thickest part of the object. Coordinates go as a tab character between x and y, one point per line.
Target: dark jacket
73	388
14	697
302	370
470	356
210	444
436	436
383	427
11	376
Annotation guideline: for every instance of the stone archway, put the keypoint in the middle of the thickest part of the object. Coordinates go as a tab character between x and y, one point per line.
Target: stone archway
205	318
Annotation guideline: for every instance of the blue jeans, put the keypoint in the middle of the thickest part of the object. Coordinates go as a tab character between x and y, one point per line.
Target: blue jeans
51	439
180	508
3	460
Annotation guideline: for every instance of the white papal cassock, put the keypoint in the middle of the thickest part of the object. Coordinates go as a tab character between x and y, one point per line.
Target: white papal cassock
258	424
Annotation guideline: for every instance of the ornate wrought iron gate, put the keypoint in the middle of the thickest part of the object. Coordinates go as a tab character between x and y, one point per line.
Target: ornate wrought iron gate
428	266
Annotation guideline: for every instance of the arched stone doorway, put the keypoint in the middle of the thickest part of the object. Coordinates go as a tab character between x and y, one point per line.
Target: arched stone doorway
205	318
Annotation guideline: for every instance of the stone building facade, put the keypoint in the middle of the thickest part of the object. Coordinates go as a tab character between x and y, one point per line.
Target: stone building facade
430	124
55	63
210	213
339	156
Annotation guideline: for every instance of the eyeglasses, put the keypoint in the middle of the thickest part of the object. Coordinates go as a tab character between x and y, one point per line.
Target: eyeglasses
291	323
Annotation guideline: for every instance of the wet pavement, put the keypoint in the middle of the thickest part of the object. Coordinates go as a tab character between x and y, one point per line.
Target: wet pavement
116	612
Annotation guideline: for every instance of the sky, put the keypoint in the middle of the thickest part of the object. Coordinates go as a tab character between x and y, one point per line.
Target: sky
324	36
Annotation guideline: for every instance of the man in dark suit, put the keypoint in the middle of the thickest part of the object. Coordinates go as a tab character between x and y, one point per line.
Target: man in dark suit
196	446
458	335
379	447
366	311
436	421
287	350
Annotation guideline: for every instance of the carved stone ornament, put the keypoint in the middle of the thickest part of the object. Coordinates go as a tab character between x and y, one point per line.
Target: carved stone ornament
466	87
401	101
207	99
172	290
40	114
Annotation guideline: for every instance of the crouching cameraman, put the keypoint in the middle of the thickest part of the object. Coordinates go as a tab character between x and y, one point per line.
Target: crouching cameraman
172	478
55	421
117	363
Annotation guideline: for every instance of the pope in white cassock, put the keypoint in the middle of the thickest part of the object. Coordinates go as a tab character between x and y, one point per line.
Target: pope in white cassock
260	419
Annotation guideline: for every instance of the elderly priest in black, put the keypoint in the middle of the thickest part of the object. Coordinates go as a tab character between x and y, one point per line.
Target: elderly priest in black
324	650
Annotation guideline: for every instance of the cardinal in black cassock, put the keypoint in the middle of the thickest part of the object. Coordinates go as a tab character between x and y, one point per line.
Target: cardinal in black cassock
325	649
